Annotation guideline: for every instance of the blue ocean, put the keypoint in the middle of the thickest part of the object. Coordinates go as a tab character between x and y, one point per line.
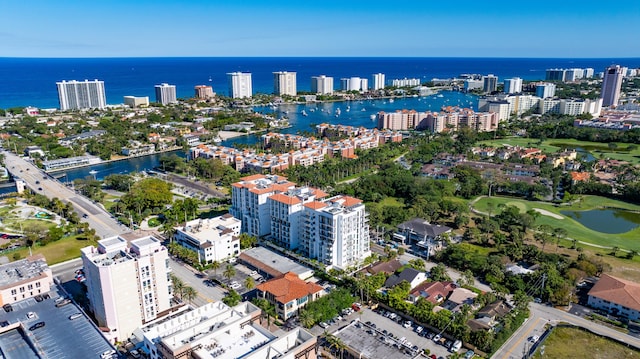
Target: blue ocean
32	81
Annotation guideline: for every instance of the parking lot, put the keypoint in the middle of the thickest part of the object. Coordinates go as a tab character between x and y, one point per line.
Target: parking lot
59	337
237	281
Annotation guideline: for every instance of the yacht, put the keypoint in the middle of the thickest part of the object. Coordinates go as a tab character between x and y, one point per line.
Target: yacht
391	100
304	113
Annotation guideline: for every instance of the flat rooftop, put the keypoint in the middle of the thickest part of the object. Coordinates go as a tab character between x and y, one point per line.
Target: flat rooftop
59	338
272	262
24	269
371	343
227	346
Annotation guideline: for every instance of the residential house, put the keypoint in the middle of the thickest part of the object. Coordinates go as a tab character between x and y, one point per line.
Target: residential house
458	298
488	317
410	275
434	292
288	293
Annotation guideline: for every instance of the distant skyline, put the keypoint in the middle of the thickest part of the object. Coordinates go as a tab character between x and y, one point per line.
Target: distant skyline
193	28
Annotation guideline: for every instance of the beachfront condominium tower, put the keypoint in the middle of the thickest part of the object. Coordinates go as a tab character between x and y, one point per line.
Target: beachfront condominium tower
284	83
204	92
378	81
166	94
513	85
611	84
78	95
239	84
322	85
354	84
489	83
127	282
545	90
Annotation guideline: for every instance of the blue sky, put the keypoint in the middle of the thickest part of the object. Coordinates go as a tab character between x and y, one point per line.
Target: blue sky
431	28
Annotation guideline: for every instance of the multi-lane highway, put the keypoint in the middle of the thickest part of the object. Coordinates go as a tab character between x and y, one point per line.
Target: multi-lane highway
39	182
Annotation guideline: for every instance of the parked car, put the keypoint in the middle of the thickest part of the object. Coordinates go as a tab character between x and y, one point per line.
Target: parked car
324	325
419	330
7	308
75	316
457	345
533	338
62	303
108	354
36	326
134	353
31	315
437	337
469	354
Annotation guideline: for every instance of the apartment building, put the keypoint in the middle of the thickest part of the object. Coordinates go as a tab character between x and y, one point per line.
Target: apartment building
24	279
204	92
166	94
79	95
322	85
378	81
240	85
286	214
336	232
611	85
214	239
128	283
545	90
513	85
249	201
284	83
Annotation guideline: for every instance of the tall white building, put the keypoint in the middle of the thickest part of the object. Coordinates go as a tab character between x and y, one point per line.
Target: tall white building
336	232
77	95
489	83
545	90
166	94
354	84
214	239
405	82
378	81
513	85
240	84
128	283
611	85
249	201
284	83
286	212
322	85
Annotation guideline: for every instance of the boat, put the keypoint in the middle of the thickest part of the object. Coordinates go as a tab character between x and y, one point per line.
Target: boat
217	139
304	113
391	100
348	108
373	117
93	172
338	112
364	110
440	95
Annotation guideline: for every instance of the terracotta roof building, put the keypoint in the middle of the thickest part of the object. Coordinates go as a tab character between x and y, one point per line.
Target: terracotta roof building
434	292
616	296
289	293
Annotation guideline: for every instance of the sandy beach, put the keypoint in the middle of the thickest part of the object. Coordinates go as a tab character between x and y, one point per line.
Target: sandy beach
225	135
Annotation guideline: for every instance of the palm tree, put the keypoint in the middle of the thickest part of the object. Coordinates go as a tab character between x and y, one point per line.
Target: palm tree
215	266
178	285
249	283
189	293
229	272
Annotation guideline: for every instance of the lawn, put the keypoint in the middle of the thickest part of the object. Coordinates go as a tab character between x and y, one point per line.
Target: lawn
57	252
621	151
628	240
568	343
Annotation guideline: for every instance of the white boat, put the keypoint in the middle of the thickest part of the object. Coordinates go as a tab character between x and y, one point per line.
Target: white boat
364	110
304	113
440	95
391	100
373	117
348	108
217	139
93	172
338	112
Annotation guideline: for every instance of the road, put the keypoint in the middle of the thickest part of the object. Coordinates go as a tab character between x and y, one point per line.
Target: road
188	276
39	182
517	345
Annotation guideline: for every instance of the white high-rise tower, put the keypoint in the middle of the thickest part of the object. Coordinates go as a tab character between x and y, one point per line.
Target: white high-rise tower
240	84
77	95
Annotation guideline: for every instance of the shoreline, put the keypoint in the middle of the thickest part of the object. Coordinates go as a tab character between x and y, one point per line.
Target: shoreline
58	171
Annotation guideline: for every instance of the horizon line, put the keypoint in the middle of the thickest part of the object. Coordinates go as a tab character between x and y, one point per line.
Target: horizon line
319	57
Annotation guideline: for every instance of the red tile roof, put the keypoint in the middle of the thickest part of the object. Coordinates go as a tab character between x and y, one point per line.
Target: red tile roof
616	290
289	287
282	198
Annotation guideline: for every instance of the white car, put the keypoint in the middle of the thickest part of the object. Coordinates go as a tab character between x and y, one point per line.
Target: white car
533	338
31	315
235	286
419	330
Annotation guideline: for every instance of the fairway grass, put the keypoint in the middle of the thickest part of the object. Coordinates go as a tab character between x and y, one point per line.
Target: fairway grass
629	240
569	343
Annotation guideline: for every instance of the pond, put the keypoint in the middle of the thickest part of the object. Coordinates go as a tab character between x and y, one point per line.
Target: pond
606	220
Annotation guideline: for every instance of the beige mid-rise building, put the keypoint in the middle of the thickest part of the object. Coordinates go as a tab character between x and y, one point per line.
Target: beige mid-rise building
128	283
24	279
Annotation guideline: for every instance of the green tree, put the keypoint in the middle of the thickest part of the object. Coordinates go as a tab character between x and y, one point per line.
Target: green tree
232	298
215	265
178	285
229	271
249	283
189	293
247	241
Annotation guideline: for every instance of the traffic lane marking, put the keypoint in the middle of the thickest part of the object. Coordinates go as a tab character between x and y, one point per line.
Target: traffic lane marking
526	335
